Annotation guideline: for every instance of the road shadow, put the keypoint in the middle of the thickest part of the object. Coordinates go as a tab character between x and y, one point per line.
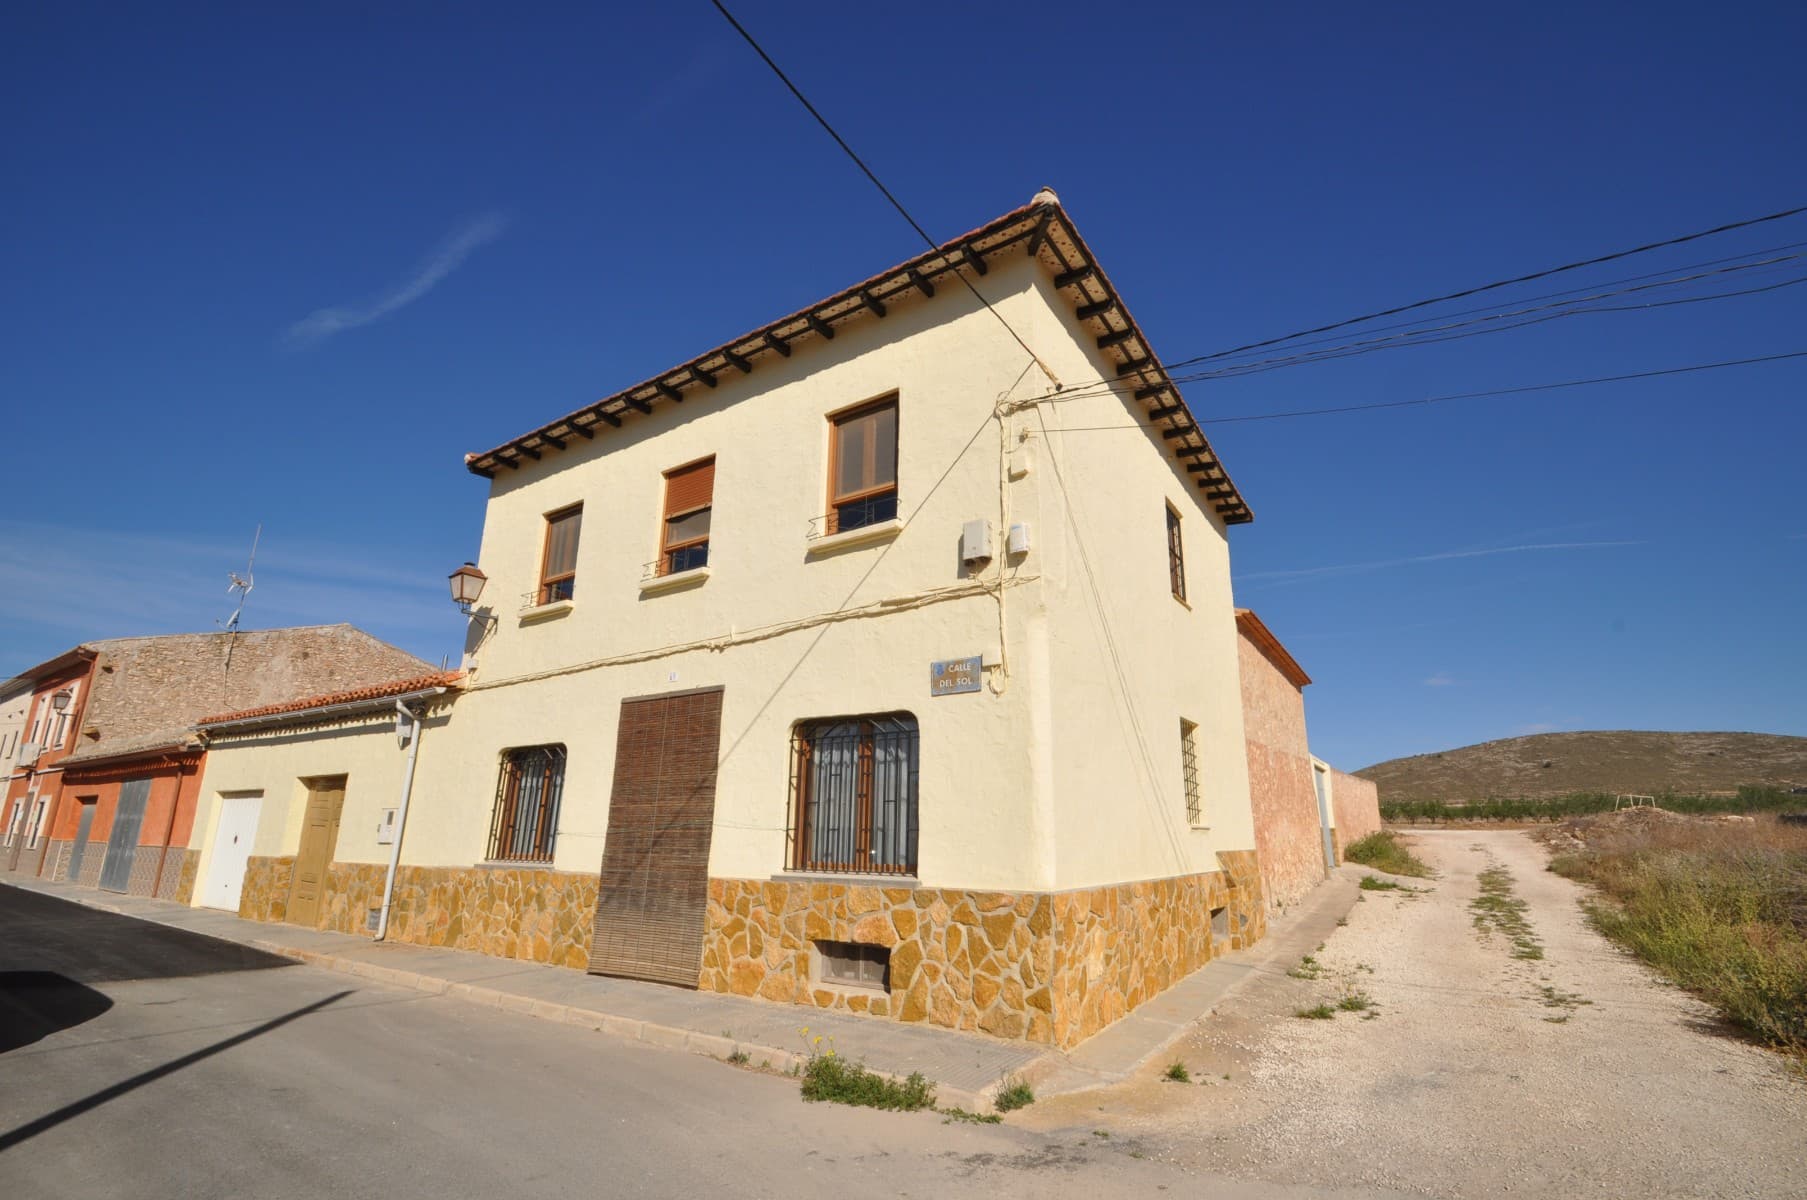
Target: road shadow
36	1004
49	935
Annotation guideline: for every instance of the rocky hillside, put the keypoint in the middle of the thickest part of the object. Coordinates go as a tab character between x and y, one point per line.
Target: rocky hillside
1555	764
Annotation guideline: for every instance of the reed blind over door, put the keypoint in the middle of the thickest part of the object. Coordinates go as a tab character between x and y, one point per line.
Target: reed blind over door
654	893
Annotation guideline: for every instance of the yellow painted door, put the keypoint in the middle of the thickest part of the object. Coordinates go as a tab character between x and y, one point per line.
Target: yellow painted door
319	835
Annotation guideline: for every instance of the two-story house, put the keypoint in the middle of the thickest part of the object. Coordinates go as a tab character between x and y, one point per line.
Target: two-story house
880	659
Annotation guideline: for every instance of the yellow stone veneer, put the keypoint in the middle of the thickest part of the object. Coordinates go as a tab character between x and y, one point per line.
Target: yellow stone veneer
1044	967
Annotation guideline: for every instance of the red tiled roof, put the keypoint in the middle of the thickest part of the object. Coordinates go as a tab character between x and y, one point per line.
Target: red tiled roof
1263	637
398	687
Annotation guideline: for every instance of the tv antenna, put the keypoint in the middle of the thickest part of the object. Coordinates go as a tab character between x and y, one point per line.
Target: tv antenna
242	584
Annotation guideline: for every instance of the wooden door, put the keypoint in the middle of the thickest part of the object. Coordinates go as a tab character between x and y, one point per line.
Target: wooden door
654	896
319	836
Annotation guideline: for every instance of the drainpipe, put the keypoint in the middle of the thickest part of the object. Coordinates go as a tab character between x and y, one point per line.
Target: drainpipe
401	814
175	805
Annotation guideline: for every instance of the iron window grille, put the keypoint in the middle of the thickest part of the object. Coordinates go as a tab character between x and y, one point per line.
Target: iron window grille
854	795
1176	555
528	788
1195	806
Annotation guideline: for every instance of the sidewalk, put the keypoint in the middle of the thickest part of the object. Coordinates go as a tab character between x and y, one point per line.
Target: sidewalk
967	1068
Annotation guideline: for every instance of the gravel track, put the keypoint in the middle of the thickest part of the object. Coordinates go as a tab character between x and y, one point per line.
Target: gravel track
1480	1074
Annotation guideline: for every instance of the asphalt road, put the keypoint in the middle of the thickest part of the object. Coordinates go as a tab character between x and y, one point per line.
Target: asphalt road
140	1061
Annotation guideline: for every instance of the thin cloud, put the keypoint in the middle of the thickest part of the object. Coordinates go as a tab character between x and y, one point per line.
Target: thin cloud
446	258
1440	679
1533	728
1384	563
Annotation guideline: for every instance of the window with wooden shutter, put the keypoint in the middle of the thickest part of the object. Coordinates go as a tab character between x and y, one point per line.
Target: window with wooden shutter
689	501
524	822
1176	555
853	795
558	567
862	465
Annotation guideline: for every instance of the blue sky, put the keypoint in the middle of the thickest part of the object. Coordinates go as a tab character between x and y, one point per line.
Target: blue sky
287	266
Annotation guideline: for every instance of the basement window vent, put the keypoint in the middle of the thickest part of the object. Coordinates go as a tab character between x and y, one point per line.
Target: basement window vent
1220	923
371	919
854	964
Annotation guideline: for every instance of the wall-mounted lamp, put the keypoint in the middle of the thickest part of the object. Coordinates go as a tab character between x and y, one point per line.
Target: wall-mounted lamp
60	700
467	586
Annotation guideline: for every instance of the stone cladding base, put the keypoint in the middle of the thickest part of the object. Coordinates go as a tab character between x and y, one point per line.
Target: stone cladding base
1043	967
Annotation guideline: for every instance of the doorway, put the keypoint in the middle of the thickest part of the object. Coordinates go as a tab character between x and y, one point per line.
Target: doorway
233	835
83	824
654	895
122	843
319	837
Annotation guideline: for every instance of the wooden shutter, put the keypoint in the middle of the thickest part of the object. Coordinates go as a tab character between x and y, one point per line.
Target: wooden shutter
654	895
690	487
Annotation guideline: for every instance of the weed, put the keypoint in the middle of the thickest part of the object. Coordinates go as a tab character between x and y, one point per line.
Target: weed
1317	1012
1384	851
1355	1002
740	1058
1557	998
1341	921
1374	883
841	1082
1013	1095
1101	1133
1176	1072
950	1115
1718	908
1496	909
1308	968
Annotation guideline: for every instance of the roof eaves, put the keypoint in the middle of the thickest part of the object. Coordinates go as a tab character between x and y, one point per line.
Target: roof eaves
1256	630
1051	237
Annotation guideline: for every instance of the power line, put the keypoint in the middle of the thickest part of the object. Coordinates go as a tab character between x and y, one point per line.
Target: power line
1488	287
1533	387
868	172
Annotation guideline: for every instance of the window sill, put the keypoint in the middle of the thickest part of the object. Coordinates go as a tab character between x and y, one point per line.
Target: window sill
674	581
513	864
1182	602
546	612
865	535
862	879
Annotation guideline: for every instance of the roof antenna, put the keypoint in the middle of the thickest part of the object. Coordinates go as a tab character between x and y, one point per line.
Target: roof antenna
242	584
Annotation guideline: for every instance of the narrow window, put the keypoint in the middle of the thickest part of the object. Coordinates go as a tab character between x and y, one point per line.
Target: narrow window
853	795
1195	806
689	498
525	820
862	463
1176	555
558	569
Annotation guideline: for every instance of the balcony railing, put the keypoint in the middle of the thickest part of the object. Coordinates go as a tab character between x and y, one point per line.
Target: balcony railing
856	514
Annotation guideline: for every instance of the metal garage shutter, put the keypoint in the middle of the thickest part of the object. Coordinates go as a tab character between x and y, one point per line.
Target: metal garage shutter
128	822
654	895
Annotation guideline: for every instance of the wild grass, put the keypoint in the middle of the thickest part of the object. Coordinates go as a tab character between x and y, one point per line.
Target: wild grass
1384	851
839	1081
1308	968
1719	908
1498	910
1013	1095
1177	1072
1355	1002
1577	804
1317	1012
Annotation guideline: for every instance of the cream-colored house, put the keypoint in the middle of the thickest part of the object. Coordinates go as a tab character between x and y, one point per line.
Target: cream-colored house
882	659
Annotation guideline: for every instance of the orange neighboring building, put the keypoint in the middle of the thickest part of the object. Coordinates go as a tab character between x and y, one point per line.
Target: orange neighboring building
106	798
59	695
1306	812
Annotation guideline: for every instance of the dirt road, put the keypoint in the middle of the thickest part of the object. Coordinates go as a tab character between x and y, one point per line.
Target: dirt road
1481	1070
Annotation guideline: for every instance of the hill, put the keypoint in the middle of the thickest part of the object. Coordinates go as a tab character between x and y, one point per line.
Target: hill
1556	764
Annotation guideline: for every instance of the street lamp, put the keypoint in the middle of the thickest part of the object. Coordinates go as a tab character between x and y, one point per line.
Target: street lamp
60	700
467	586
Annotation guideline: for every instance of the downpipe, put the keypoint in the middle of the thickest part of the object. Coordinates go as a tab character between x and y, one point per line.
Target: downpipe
417	728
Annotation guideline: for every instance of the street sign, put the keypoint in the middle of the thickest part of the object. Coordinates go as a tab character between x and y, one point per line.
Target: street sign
955	675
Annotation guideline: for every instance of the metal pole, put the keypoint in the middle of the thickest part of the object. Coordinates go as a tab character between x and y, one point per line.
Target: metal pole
401	815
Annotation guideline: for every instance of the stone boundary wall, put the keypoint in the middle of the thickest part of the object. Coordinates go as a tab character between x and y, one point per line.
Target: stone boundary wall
1053	968
1282	793
1357	805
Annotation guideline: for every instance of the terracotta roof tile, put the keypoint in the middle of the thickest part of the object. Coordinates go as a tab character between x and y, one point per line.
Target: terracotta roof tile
375	691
